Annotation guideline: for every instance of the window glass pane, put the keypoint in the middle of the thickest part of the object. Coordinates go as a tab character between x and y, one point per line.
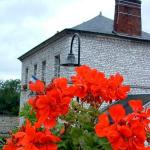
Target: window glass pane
44	71
35	70
57	66
26	75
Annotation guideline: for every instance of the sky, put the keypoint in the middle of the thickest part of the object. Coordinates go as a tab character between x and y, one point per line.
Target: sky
26	23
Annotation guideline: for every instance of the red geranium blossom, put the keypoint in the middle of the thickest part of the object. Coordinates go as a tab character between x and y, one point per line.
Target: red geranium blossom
92	86
31	139
139	114
38	86
136	105
54	103
124	132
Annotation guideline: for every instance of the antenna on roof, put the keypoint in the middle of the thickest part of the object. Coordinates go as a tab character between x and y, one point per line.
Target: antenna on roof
100	13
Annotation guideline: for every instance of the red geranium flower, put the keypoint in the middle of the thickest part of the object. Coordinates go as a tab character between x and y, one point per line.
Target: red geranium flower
93	87
30	138
38	86
54	103
136	105
124	132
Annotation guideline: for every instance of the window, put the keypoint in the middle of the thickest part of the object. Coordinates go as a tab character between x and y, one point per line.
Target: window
57	66
44	71
35	70
26	75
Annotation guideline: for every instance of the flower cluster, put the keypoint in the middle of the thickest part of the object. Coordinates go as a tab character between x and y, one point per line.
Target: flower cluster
93	87
51	102
127	132
30	138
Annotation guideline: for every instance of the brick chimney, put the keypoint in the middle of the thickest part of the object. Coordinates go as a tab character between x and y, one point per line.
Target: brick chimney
127	18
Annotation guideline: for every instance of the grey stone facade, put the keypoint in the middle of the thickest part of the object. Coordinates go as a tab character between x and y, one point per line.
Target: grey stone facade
47	54
126	56
109	54
8	123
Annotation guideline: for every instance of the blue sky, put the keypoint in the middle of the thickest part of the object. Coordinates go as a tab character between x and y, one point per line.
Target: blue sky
26	23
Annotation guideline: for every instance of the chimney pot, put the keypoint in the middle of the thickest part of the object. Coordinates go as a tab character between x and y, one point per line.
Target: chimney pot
127	18
100	13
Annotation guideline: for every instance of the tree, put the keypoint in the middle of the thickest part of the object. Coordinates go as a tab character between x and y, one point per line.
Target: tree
9	97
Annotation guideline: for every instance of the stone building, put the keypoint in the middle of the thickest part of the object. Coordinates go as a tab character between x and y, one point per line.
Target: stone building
110	46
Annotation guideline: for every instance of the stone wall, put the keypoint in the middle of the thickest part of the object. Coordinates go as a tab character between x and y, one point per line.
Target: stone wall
106	53
126	56
7	123
47	54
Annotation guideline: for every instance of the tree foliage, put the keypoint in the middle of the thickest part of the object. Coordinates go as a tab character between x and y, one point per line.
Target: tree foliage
9	97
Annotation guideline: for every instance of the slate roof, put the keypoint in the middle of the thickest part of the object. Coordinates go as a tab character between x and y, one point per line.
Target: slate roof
144	97
96	25
104	25
99	24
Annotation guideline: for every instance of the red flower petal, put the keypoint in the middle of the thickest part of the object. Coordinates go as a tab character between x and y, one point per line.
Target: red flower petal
125	131
103	120
38	86
136	105
19	135
117	112
100	128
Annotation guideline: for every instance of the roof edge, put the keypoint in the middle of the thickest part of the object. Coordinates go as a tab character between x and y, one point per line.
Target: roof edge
112	35
68	31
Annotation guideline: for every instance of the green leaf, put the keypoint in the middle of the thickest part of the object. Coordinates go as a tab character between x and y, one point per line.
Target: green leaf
28	113
105	144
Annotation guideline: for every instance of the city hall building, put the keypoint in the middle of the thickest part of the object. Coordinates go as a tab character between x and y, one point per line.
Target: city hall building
110	46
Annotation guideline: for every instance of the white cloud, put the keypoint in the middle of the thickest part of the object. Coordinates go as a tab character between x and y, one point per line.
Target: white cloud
26	23
77	12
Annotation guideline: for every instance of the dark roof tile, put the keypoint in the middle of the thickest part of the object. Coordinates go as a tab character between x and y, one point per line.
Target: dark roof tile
101	24
144	97
96	25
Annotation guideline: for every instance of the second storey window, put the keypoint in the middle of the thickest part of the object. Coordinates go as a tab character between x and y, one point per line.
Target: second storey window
35	70
43	71
26	75
57	66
